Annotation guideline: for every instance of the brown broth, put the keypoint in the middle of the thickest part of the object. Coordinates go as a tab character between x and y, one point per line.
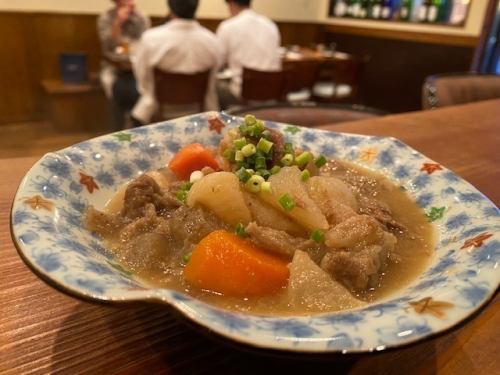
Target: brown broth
414	249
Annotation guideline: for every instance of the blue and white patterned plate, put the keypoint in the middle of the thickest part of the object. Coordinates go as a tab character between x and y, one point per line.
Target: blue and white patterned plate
47	229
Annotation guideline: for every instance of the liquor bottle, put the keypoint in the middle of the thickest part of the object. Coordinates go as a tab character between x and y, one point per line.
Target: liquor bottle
424	10
340	9
405	10
355	8
364	8
445	11
375	9
387	9
432	11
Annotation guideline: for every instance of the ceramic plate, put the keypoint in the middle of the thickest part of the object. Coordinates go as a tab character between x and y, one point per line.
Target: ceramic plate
462	275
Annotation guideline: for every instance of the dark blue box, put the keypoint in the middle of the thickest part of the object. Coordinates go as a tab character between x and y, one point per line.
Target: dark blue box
73	67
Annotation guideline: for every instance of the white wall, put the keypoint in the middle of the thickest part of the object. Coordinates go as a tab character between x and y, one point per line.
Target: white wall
281	10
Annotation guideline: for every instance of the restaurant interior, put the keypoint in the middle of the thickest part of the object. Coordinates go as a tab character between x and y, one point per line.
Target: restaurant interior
426	72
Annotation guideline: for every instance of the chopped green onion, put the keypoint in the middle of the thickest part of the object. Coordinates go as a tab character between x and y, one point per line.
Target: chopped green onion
266	134
317	236
233	132
240	230
288	148
240	143
260	162
286	202
305	175
250	119
264	173
275	169
243	175
250	171
320	161
287	160
183	191
187	257
249	150
228	154
239	156
303	159
264	145
253	183
243	129
266	187
260	126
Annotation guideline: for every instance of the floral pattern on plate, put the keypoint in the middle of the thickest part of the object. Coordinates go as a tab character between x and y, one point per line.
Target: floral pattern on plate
47	228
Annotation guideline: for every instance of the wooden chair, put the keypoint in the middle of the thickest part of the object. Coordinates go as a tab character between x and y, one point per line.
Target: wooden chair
180	89
302	75
340	73
259	86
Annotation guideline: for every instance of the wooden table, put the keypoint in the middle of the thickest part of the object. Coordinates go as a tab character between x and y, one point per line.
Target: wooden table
44	331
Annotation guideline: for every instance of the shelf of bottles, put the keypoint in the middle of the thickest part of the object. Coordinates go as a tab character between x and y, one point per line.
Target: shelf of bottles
441	12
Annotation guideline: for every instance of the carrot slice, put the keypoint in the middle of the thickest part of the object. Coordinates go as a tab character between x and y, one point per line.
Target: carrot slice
222	262
191	158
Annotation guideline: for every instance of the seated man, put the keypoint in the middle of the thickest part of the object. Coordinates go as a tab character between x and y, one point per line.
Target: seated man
180	46
118	29
249	40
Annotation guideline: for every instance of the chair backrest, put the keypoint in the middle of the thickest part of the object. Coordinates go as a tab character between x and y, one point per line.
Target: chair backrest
181	89
302	74
459	88
259	86
344	69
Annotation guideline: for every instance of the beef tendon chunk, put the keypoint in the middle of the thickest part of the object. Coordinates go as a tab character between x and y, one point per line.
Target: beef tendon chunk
311	288
359	250
381	212
144	190
103	223
191	224
278	242
149	223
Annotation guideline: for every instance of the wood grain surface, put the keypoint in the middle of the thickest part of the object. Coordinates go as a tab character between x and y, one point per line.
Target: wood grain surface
44	331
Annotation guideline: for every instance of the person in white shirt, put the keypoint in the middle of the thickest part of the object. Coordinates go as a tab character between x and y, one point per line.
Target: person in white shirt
249	40
181	45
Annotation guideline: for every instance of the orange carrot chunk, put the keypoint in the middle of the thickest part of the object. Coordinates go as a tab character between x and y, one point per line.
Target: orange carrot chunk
224	263
191	158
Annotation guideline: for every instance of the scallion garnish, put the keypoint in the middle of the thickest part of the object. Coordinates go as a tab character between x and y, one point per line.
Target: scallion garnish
286	202
250	119
317	236
228	154
260	162
240	230
275	169
287	159
253	183
305	175
303	159
186	257
264	173
183	191
288	148
238	156
320	161
243	175
249	150
266	187
240	143
264	145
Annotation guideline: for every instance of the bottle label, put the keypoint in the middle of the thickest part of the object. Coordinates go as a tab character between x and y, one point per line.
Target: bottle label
404	13
376	11
340	9
432	14
386	12
356	10
422	13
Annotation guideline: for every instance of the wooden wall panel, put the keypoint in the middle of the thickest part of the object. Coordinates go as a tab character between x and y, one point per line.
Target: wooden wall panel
393	79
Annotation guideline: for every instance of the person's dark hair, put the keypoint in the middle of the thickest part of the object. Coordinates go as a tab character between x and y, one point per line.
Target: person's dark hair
183	8
243	3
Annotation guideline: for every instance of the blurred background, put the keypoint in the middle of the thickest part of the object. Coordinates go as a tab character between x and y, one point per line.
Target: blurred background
397	51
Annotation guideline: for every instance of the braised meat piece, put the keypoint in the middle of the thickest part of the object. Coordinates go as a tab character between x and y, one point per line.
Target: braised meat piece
142	191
